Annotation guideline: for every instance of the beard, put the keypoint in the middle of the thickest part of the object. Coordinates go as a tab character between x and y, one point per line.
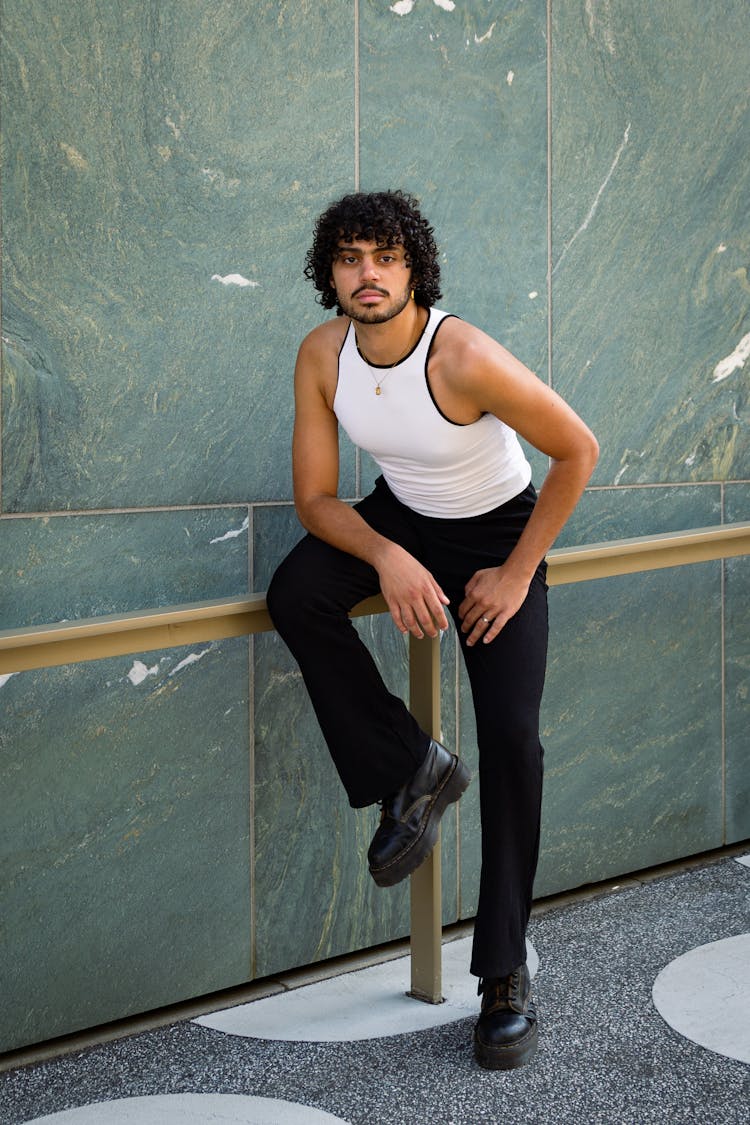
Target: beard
364	314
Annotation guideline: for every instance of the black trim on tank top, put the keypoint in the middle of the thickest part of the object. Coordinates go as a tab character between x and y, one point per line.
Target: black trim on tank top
383	366
448	316
338	361
346	336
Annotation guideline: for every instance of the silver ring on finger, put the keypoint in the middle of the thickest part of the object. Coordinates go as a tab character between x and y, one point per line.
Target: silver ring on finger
486	620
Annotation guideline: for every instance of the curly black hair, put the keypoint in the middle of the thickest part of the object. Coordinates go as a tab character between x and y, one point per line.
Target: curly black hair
389	218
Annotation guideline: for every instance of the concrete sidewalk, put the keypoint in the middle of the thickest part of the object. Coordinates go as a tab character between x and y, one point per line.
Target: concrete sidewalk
630	983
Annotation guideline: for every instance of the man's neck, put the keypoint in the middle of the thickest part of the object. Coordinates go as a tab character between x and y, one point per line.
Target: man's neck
390	342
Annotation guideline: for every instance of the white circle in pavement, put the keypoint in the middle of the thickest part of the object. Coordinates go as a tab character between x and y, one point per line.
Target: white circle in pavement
705	996
369	1003
192	1109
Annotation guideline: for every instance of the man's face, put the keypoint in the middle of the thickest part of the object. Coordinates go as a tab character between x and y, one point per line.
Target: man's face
372	282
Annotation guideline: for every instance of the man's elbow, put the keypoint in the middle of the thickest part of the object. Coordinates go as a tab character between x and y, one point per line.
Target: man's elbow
307	505
592	450
303	509
582	455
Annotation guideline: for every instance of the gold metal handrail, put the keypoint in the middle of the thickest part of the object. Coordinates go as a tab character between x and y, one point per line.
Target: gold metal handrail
96	638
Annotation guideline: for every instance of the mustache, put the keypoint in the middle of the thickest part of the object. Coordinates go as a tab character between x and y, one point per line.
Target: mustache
370	289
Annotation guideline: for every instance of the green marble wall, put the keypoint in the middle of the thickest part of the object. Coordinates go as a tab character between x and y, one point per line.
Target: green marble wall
175	824
125	836
148	153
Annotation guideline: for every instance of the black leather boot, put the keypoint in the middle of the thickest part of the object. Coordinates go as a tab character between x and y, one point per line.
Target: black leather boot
505	1035
411	817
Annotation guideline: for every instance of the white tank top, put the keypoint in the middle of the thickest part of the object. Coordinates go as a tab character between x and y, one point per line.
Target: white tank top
434	466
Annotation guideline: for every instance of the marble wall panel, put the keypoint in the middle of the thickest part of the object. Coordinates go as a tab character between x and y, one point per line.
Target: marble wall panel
125	837
649	233
604	514
276	529
632	724
66	567
737	673
453	108
162	170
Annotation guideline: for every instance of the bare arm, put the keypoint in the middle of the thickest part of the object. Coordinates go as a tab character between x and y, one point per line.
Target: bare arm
413	596
495	381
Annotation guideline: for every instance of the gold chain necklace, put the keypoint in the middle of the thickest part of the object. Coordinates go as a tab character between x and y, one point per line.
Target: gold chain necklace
379	382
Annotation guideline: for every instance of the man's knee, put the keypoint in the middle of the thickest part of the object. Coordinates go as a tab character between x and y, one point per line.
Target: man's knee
285	595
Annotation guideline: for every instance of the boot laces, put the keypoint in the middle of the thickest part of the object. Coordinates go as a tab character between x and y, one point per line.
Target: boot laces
502	992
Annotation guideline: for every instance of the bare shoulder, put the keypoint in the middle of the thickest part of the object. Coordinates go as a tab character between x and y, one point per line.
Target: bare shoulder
325	340
317	359
465	353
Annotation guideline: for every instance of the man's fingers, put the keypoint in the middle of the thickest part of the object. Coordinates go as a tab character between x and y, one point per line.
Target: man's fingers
417	607
396	614
470	614
412	623
485	628
419	620
493	629
437	617
426	619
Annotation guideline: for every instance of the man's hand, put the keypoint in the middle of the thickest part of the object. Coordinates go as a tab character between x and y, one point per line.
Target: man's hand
414	598
493	596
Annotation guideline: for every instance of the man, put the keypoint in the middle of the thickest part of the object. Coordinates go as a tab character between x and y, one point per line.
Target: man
453	525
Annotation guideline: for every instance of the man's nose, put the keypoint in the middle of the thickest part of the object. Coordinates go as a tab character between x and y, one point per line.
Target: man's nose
368	269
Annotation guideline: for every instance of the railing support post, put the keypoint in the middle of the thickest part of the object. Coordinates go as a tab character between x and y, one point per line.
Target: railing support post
426	888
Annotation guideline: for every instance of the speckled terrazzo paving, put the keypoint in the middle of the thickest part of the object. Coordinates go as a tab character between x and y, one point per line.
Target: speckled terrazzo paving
606	1054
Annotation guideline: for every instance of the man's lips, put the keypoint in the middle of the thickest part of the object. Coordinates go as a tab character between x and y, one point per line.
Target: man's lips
368	295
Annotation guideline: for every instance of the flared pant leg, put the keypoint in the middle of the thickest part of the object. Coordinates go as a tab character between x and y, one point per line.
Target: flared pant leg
375	742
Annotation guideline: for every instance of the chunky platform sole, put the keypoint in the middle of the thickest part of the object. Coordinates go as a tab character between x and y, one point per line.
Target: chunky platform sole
455	782
506	1058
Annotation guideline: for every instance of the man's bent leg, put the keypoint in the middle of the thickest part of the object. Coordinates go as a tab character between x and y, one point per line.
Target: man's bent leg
375	742
379	749
411	817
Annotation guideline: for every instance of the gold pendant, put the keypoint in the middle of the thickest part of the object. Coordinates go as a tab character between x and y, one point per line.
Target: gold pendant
377	390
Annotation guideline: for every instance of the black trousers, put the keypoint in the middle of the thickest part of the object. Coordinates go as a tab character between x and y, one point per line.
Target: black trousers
375	742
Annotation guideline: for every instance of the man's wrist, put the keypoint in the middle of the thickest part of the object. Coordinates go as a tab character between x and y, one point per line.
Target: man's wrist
381	551
521	567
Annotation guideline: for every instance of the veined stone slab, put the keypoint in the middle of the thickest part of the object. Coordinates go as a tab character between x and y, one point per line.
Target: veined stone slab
649	234
125	839
162	170
66	567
